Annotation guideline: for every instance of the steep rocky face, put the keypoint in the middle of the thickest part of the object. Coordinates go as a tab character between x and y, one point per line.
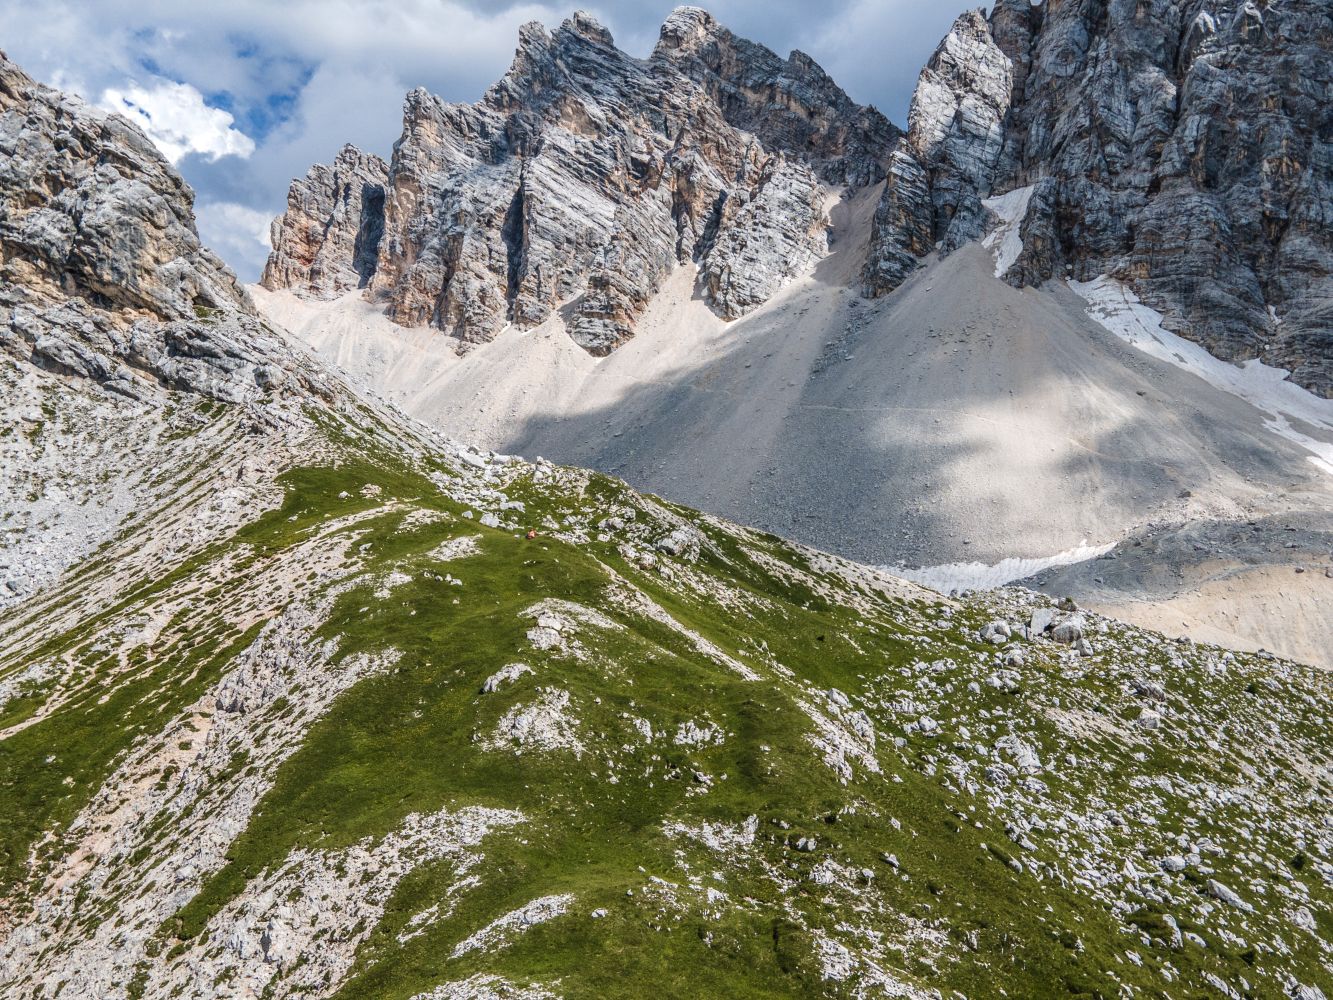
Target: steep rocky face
943	168
789	104
1184	148
101	270
583	177
956	126
773	234
328	240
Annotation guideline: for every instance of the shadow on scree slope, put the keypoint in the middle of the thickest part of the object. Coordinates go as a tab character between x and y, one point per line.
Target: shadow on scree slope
956	410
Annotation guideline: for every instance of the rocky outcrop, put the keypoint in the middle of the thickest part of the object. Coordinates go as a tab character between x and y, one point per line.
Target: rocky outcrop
328	240
788	104
903	230
767	237
102	274
1184	148
943	168
956	126
583	177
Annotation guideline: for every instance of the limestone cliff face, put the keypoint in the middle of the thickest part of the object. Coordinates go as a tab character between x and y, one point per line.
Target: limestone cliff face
1186	148
101	270
788	104
581	178
945	165
328	240
1183	147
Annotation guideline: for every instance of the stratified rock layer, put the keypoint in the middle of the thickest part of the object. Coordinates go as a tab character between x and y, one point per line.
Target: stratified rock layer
943	167
101	270
1184	148
788	104
774	234
582	178
328	241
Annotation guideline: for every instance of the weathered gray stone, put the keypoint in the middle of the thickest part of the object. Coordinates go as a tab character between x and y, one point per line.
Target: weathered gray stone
102	274
789	104
944	167
955	126
903	228
582	178
774	234
1180	147
327	242
1186	149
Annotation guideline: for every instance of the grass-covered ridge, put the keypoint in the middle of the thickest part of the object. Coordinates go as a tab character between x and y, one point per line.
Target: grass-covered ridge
377	742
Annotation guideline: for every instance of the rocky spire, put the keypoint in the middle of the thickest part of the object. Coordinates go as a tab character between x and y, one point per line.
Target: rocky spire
328	240
945	165
790	104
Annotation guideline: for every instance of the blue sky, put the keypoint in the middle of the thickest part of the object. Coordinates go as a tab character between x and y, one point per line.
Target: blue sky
245	95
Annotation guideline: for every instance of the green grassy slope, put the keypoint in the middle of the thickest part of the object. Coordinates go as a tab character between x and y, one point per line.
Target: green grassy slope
727	767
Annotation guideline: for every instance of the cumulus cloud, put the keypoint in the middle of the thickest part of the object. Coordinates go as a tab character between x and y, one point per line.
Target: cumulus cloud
236	233
178	121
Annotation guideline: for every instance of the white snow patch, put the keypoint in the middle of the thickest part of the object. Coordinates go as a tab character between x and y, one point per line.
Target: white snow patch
1011	208
983	576
496	934
1115	306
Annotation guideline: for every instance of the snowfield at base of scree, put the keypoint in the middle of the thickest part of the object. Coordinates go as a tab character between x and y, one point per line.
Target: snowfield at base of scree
1112	304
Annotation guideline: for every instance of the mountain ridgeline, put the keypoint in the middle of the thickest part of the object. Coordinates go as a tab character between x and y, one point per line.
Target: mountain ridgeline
1184	148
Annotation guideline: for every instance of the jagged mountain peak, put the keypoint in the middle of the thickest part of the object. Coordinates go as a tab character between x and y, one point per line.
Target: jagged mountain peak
587	27
791	104
584	176
350	194
684	25
1182	151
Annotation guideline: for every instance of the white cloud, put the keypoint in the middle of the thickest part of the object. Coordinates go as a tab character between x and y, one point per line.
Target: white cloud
178	121
236	233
